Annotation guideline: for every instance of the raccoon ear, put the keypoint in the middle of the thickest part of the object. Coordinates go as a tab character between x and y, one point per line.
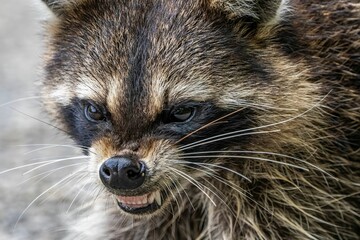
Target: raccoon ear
252	13
56	6
260	10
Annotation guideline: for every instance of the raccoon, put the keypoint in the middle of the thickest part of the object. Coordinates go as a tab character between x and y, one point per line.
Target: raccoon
210	119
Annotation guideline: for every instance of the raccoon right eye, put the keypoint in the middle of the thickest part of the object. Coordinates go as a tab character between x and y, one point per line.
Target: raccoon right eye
182	114
93	113
179	114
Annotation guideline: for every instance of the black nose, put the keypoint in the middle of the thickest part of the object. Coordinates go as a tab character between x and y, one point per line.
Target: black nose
121	173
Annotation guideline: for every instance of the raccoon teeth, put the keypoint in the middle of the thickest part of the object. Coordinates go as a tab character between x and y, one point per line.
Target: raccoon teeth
151	197
141	201
158	197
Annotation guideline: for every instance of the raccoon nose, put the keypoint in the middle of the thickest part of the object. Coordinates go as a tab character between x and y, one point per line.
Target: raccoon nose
121	173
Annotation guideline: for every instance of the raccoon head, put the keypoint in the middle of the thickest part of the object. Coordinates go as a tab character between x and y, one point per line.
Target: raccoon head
159	92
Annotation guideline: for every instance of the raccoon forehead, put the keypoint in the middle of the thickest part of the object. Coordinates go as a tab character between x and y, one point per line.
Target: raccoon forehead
81	87
111	92
121	61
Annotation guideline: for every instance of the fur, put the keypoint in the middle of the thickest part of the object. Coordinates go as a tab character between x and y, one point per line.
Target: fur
273	149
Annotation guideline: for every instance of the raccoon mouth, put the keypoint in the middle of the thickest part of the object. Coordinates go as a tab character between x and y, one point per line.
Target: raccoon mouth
144	204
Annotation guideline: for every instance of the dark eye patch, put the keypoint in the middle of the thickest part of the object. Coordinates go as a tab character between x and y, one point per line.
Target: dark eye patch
197	121
85	120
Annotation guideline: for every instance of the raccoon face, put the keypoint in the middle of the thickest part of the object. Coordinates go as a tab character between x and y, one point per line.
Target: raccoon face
158	92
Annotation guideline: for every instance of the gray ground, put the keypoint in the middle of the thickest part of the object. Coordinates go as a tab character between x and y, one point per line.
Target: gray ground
20	48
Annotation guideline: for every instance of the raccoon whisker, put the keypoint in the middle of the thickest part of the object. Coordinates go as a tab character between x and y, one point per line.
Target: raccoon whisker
210	123
223	137
77	194
230	184
42	162
48	173
212	165
39	120
194	182
65	184
55	161
169	192
245	157
212	174
240	191
259	127
177	184
46	191
19	100
48	146
234	187
266	153
95	194
215	175
169	189
212	191
222	197
38	159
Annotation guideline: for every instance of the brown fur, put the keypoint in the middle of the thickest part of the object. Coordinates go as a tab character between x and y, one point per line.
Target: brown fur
293	70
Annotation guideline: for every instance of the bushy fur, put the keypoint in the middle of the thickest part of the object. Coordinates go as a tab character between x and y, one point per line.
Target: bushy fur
282	76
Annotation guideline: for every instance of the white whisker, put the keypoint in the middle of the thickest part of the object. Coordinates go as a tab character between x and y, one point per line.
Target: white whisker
48	173
47	146
266	153
39	163
54	161
170	190
64	184
19	100
246	157
214	174
220	138
194	182
255	128
213	165
44	192
183	190
76	196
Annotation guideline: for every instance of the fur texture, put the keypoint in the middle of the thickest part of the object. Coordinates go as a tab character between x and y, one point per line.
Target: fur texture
272	148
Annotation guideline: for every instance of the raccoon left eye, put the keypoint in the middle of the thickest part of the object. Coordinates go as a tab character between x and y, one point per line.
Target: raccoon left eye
93	114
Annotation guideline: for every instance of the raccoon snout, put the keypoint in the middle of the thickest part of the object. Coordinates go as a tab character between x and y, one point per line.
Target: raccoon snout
121	173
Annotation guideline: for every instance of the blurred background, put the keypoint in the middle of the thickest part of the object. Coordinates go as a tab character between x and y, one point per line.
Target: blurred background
23	138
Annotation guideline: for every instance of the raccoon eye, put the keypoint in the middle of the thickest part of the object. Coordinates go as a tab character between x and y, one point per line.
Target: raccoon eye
93	114
182	114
